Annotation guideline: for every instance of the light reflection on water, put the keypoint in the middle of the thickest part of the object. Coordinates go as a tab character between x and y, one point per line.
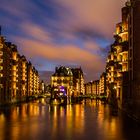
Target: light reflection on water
90	120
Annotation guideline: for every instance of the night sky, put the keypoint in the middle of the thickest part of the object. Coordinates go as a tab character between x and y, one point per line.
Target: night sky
51	33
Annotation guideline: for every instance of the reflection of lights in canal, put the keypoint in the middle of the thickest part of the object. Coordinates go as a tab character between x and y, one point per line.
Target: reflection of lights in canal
79	121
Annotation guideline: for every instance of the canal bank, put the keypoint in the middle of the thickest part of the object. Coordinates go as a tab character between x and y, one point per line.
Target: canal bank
23	100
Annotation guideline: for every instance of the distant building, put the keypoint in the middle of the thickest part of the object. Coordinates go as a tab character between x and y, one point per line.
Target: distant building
92	88
102	84
71	79
32	80
22	78
42	87
88	88
78	81
95	87
63	77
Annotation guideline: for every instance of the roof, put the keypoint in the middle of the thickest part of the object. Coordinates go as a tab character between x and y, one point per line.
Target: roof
63	71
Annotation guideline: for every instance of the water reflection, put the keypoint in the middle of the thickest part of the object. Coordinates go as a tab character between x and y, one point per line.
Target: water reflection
89	120
65	118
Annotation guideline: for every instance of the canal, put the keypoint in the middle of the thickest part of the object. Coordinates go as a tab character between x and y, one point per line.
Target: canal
90	120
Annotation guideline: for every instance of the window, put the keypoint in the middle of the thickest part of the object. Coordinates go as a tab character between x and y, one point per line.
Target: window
1	60
1	46
1	86
1	75
1	68
1	53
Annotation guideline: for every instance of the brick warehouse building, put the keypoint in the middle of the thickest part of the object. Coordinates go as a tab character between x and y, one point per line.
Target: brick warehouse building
18	78
123	61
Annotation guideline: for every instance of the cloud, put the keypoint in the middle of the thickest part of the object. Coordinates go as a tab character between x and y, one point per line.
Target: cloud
95	14
63	54
68	53
84	18
35	32
62	32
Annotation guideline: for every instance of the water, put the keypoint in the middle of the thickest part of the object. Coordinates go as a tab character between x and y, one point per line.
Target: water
90	120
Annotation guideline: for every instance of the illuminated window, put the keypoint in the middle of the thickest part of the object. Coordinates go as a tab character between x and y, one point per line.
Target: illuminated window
125	67
1	53
14	55
1	60
1	68
1	75
112	57
112	68
1	86
125	37
1	46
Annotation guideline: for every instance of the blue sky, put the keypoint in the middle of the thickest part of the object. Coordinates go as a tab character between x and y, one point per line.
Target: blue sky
62	32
